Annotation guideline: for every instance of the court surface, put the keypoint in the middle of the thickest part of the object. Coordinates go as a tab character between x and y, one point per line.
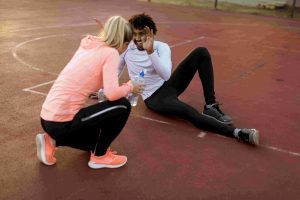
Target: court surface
256	63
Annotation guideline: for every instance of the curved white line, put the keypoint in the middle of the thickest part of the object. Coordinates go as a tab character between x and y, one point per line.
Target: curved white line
14	52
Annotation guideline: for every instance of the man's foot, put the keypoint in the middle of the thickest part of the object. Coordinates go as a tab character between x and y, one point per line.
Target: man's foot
250	136
213	111
109	160
45	149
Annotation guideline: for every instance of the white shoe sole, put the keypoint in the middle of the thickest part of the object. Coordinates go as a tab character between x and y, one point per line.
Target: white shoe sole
41	149
94	165
255	137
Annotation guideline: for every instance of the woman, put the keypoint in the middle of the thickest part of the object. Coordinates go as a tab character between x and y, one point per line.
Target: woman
92	128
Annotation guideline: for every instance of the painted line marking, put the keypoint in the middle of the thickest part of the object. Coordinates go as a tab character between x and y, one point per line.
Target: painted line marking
39	85
35	92
14	52
29	89
280	150
201	134
151	119
280	48
186	42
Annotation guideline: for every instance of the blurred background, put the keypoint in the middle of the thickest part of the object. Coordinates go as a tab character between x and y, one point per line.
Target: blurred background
280	8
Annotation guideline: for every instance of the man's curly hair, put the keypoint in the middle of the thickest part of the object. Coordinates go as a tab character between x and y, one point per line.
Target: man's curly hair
140	21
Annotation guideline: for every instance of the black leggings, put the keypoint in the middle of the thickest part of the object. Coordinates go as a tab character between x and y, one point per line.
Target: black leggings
165	99
93	128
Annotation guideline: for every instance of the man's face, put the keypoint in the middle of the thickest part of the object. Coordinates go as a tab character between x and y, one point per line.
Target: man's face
139	36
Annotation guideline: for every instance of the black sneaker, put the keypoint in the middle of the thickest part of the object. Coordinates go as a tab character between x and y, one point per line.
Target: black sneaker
214	112
250	136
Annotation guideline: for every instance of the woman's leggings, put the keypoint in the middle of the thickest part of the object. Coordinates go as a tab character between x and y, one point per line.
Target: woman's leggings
165	99
93	128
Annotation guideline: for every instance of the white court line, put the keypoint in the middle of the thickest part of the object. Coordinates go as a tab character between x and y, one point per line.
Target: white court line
186	42
48	27
35	92
150	119
14	52
202	134
279	48
39	85
36	86
280	150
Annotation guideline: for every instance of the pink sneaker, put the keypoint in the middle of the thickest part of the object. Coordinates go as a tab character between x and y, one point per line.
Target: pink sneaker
45	149
109	160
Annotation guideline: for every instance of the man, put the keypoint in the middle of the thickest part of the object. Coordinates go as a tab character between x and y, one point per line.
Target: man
163	88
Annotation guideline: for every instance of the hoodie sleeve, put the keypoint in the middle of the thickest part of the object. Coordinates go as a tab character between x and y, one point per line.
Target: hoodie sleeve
111	86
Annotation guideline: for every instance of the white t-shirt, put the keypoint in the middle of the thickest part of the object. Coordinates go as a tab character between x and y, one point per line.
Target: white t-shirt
158	65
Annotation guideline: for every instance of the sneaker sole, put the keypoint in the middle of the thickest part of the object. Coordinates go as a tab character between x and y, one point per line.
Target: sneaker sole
41	154
255	137
94	165
227	123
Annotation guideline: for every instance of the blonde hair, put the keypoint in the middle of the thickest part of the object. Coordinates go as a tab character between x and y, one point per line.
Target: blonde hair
116	32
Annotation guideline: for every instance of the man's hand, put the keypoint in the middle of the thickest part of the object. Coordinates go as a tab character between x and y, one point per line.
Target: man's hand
137	88
98	23
148	43
93	95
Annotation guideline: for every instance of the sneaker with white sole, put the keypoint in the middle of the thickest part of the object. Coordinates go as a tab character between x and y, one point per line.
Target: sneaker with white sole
250	136
109	160
45	149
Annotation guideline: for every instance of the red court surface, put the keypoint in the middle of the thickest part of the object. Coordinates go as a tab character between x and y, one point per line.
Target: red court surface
256	63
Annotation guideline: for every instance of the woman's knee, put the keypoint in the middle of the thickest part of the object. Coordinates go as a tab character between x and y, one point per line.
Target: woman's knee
124	102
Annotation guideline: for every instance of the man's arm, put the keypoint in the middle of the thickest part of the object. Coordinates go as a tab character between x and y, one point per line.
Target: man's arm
160	55
121	64
161	60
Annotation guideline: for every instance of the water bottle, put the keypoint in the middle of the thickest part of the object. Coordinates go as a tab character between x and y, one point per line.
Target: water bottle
133	98
101	96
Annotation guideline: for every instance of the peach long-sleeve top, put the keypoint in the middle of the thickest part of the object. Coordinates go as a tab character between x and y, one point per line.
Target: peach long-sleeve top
93	66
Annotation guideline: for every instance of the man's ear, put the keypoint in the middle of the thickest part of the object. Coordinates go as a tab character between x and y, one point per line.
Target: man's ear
98	23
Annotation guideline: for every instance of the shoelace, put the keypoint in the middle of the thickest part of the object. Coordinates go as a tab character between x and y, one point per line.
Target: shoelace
111	153
216	106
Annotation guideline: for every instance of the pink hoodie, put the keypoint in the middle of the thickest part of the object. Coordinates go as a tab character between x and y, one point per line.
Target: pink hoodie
93	66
